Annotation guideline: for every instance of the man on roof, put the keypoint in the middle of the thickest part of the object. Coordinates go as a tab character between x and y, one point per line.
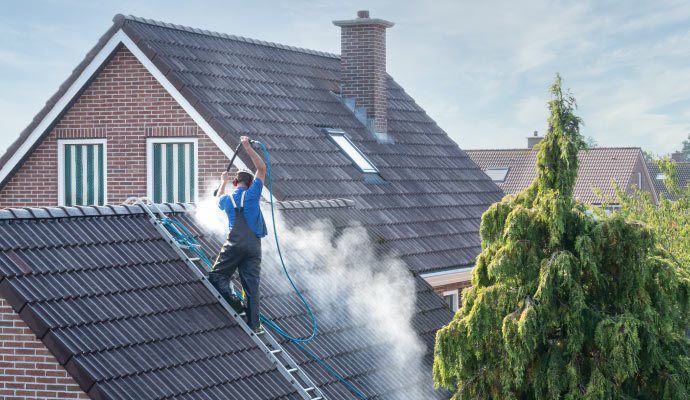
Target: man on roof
242	249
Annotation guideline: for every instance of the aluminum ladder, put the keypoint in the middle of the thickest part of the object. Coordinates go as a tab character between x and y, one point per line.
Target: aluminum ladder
283	362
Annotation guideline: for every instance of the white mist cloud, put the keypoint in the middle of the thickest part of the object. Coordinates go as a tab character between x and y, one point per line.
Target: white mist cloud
348	282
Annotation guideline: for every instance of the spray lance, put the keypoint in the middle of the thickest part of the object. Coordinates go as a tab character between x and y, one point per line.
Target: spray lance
237	150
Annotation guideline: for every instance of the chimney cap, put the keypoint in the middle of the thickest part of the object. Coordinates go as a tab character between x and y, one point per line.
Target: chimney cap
363	19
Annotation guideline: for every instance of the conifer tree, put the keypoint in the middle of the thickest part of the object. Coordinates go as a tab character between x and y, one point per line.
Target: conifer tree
565	305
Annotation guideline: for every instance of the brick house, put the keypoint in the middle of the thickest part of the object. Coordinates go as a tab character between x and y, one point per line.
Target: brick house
156	110
514	170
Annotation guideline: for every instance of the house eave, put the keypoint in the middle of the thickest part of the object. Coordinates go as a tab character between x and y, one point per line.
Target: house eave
82	76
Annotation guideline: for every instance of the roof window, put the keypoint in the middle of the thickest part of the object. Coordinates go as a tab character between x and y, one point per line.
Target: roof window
498	175
349	148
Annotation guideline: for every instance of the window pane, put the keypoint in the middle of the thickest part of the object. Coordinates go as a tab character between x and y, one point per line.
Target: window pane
452	301
84	174
173	172
353	152
497	175
449	301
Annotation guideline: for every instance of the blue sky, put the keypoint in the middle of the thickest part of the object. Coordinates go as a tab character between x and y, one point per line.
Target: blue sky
481	69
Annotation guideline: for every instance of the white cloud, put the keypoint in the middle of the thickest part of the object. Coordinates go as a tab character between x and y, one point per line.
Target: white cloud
531	110
13	59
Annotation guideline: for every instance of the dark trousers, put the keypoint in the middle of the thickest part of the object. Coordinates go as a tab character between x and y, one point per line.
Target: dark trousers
248	262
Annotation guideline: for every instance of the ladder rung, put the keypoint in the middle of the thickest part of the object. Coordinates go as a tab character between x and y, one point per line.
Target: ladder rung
276	351
291	370
242	314
317	398
309	389
195	259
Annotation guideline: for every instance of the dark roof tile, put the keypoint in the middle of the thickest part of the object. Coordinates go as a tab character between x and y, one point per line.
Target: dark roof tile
128	319
683	175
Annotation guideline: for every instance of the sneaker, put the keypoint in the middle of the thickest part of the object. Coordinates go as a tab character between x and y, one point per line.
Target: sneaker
236	304
258	329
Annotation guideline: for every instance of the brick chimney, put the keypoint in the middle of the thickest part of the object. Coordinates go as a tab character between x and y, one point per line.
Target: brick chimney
363	67
533	140
678	156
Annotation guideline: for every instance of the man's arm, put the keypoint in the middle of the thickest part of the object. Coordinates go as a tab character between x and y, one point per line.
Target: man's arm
223	182
258	162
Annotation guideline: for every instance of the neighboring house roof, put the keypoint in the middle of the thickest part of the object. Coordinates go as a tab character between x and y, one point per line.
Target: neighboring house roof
520	163
428	211
598	167
127	318
683	171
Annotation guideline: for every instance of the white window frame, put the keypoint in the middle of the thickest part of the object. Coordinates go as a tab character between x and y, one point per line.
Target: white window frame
149	161
456	298
505	175
61	166
370	169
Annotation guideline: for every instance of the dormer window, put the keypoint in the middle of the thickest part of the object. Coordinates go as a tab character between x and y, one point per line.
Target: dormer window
349	148
498	175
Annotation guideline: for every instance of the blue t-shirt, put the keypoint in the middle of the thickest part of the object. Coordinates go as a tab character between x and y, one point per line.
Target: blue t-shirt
252	210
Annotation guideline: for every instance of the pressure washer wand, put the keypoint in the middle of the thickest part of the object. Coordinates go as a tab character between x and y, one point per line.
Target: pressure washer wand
237	150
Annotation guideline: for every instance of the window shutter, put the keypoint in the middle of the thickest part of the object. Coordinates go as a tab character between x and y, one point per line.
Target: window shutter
84	174
173	172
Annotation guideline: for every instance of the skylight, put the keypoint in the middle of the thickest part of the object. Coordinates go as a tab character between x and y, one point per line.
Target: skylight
498	175
660	176
349	148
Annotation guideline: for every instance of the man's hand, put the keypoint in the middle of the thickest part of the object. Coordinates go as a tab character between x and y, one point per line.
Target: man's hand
224	177
258	162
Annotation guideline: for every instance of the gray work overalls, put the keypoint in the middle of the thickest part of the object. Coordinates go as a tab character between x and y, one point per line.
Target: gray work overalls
241	250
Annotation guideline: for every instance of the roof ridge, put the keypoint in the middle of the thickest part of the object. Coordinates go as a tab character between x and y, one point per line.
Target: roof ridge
315	203
86	211
589	149
516	149
224	35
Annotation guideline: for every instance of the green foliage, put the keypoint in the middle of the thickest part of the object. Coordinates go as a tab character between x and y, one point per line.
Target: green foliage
565	305
670	220
649	156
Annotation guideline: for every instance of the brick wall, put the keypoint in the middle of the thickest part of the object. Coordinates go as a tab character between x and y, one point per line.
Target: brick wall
124	104
452	286
29	370
640	170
